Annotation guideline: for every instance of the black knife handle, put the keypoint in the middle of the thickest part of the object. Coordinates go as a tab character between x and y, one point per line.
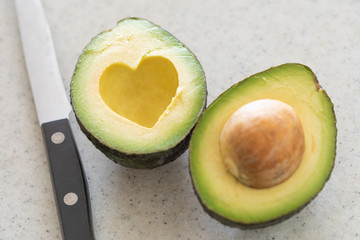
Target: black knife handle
69	183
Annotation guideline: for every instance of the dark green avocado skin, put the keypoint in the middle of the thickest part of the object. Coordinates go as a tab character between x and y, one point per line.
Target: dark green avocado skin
141	161
245	226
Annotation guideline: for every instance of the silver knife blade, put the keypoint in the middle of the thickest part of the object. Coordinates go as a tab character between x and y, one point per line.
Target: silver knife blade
46	83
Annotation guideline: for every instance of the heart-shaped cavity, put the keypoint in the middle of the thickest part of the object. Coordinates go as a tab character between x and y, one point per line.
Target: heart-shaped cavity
141	95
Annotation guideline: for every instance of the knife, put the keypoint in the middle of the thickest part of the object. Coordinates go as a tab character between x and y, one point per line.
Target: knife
53	108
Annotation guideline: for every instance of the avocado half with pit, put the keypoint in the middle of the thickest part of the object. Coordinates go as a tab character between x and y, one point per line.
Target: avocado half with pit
264	148
137	93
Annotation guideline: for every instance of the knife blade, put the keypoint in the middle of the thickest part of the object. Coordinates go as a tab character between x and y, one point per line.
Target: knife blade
53	108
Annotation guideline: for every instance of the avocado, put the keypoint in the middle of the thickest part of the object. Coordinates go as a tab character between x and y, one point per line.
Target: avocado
264	148
137	93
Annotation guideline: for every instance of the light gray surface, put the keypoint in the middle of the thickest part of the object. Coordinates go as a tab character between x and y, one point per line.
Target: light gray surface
232	41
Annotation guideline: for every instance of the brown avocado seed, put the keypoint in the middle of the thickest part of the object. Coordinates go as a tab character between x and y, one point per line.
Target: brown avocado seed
262	143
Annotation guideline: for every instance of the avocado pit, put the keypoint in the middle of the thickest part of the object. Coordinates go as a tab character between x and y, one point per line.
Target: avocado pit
262	143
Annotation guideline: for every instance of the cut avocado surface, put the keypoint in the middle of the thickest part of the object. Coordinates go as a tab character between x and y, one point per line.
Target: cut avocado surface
231	201
137	92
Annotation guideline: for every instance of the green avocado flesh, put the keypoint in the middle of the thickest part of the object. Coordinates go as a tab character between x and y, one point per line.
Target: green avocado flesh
230	201
137	92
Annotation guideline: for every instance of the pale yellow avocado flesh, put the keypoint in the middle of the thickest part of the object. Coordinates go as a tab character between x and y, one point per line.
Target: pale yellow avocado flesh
220	192
158	99
141	95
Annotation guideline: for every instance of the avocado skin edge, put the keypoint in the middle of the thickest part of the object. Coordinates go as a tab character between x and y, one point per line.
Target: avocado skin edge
142	160
249	226
139	161
245	226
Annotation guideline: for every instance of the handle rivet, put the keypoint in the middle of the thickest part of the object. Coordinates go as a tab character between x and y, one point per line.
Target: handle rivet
70	198
57	137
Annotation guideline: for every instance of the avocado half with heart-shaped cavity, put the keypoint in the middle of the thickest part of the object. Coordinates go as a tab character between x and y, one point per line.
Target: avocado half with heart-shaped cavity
137	93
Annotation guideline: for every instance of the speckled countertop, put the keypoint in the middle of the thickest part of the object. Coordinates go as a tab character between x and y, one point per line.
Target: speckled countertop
232	40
